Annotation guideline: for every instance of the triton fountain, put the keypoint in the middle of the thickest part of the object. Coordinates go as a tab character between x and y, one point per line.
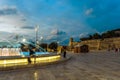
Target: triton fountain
17	54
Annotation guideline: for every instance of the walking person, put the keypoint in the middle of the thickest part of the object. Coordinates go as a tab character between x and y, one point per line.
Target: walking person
29	60
64	54
64	51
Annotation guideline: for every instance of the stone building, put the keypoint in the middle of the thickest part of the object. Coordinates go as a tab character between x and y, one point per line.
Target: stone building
98	44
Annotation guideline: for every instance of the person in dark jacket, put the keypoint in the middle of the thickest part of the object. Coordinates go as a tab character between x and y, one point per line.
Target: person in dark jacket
29	60
64	51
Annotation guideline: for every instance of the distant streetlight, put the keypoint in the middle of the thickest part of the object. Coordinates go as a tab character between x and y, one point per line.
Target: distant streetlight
41	38
58	42
24	40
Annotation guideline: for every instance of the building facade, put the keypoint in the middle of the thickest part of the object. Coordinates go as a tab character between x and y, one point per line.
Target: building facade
98	44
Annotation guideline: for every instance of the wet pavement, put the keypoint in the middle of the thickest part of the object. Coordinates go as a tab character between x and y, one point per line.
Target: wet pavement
90	66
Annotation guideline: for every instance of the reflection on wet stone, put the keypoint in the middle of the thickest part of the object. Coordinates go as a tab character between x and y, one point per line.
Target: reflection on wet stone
74	69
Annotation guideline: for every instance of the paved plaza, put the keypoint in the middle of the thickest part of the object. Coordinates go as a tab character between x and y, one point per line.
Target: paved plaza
90	66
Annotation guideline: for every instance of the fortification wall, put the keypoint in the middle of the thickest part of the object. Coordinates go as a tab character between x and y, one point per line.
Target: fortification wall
99	44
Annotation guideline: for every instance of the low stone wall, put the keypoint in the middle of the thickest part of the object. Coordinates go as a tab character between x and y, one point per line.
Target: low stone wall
99	44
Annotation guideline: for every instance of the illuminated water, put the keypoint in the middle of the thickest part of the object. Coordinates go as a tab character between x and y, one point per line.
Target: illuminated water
36	53
13	49
10	51
17	52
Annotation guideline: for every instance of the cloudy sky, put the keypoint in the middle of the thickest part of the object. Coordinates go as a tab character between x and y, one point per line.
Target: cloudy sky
64	18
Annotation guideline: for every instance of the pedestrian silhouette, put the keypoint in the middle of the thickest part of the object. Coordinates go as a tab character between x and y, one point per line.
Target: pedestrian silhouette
64	51
29	60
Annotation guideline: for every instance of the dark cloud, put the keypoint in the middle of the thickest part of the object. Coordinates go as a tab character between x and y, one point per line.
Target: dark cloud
57	32
27	27
62	33
8	11
62	39
23	19
59	36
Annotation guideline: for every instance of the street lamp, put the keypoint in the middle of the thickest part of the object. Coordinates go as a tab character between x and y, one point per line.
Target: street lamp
41	39
24	40
36	34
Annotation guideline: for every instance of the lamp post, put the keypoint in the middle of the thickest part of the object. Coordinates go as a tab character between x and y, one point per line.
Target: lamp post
41	39
16	35
24	40
36	34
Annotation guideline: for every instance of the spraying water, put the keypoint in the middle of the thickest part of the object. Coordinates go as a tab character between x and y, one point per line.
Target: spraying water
8	48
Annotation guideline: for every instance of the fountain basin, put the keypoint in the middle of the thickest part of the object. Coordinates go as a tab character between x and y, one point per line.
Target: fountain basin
18	61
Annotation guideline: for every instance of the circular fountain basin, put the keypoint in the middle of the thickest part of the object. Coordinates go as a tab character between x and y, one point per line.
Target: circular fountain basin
15	61
17	55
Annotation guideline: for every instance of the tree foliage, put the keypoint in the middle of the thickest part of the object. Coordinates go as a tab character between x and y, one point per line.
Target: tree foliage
44	45
108	34
53	45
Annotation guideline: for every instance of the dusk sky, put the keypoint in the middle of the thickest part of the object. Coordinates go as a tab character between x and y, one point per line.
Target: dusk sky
66	18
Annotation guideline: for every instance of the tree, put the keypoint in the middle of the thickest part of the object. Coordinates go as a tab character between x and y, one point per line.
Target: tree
44	45
85	38
96	36
108	34
90	37
53	46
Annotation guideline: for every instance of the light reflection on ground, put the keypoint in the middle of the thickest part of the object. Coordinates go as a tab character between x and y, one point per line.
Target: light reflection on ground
98	66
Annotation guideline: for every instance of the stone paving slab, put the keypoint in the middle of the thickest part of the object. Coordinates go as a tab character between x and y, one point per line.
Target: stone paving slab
90	66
